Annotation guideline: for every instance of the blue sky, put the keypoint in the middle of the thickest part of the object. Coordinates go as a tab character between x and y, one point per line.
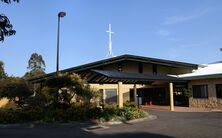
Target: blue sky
188	30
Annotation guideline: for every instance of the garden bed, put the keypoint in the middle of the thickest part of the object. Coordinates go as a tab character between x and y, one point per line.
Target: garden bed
74	113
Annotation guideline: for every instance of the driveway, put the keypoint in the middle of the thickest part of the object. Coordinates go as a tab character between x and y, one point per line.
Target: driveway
168	124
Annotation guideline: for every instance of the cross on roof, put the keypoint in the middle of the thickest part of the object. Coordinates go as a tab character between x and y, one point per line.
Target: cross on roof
110	52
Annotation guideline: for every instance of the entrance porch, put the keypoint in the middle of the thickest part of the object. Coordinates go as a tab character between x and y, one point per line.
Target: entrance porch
160	94
157	95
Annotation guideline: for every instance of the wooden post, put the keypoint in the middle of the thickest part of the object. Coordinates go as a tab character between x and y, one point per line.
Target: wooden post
104	96
171	97
120	95
135	94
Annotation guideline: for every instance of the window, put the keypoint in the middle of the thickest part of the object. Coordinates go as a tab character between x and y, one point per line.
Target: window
154	69
200	91
140	67
111	96
219	90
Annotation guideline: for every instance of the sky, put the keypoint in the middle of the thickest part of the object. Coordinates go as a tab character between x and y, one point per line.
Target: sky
181	30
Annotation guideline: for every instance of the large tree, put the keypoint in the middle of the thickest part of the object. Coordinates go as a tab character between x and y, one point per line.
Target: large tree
15	89
36	66
36	62
6	28
60	89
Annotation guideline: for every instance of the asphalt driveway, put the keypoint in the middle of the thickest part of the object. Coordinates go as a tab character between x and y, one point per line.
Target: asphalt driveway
168	124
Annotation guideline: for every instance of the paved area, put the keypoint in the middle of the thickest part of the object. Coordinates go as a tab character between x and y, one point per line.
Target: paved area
168	124
180	108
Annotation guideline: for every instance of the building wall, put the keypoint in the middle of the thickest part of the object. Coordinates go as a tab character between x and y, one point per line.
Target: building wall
212	101
163	70
147	68
126	89
179	71
132	66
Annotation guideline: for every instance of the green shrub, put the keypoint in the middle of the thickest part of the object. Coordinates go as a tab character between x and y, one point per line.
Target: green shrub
73	113
94	113
128	112
19	115
109	113
15	89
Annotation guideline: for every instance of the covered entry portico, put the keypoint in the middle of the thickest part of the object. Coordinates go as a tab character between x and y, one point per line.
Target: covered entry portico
123	78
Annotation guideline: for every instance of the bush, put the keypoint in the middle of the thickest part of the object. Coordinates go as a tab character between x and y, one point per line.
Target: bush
52	103
19	115
15	89
74	113
110	113
128	112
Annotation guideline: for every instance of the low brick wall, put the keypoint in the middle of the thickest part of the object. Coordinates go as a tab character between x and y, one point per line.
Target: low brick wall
211	102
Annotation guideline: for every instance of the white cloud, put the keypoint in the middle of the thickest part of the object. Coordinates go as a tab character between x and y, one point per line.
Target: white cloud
184	18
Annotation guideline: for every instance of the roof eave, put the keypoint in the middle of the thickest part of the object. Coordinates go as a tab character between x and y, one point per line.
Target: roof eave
199	77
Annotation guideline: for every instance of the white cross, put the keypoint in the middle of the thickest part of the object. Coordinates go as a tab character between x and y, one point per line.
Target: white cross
110	53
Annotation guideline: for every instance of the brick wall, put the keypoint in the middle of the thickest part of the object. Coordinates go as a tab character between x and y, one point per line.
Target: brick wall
212	101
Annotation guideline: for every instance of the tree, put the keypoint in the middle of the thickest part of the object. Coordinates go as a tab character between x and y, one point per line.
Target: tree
6	28
36	66
82	89
15	89
2	71
9	1
61	89
56	91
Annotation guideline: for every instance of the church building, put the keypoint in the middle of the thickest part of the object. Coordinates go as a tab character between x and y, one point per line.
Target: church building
151	81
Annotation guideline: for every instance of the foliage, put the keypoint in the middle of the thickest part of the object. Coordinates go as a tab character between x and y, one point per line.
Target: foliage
10	105
83	89
54	102
20	115
15	89
36	66
73	113
49	95
63	87
2	71
9	1
187	93
36	63
59	81
39	100
33	74
6	28
128	112
56	91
